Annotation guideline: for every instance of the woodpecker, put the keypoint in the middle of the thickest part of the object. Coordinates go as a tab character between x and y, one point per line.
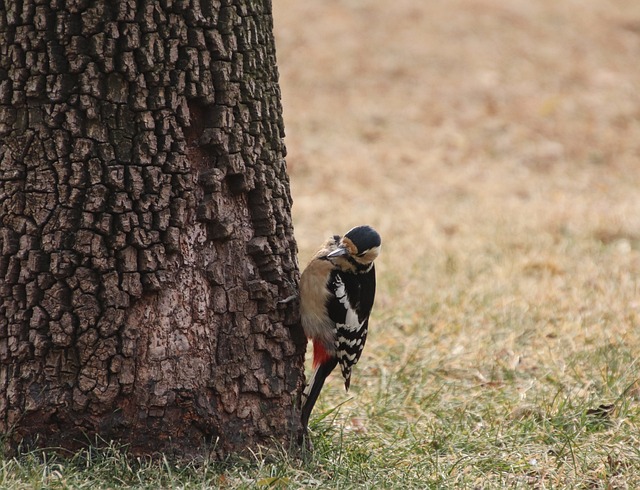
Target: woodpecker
337	290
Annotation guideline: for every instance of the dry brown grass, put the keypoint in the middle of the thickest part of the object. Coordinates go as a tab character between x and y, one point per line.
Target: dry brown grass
496	147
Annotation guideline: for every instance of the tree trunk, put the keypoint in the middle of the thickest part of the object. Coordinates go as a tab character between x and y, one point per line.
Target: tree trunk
145	227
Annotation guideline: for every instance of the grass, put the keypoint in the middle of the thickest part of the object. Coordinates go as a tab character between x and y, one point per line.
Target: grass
419	426
496	147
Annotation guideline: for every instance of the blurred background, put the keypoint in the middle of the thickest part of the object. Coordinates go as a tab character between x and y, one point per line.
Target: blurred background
495	145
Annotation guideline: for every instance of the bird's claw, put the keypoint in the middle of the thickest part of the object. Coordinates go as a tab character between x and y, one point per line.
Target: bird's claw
287	300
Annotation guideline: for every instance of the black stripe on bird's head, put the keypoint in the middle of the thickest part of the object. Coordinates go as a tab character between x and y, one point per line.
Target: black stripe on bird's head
360	245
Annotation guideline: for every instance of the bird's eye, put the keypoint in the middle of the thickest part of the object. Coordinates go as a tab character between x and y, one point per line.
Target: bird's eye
362	254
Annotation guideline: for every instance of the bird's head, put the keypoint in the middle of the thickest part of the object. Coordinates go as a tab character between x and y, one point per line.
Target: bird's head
359	246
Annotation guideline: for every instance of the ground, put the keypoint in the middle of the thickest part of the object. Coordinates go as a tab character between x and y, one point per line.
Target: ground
496	147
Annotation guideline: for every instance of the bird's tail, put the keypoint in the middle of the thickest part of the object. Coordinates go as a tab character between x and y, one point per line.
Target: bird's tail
312	390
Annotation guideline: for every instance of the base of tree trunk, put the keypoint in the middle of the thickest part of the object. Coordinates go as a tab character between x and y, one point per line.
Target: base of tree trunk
145	228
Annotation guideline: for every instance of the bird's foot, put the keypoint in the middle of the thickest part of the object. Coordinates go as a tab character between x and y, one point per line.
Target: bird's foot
288	299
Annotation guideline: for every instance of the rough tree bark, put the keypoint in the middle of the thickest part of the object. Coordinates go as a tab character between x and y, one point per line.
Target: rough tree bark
145	229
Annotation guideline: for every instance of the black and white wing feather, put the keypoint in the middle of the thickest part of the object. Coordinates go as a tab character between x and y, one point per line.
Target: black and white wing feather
350	304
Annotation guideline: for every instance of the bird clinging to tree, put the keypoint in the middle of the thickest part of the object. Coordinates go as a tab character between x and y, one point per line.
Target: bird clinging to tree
337	290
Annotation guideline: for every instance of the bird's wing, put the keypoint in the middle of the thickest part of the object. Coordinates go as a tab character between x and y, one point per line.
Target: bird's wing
351	323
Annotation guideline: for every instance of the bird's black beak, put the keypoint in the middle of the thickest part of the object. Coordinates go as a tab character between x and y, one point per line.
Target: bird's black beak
338	252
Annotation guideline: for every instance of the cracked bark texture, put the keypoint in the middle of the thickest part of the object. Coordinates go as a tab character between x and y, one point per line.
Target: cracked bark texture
145	227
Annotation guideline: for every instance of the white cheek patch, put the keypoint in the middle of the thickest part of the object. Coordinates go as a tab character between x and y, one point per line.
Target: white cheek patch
372	253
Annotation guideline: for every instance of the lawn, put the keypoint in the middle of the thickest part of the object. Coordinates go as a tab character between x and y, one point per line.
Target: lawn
496	148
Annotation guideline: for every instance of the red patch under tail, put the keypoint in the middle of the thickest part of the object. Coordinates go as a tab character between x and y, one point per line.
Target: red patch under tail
320	354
